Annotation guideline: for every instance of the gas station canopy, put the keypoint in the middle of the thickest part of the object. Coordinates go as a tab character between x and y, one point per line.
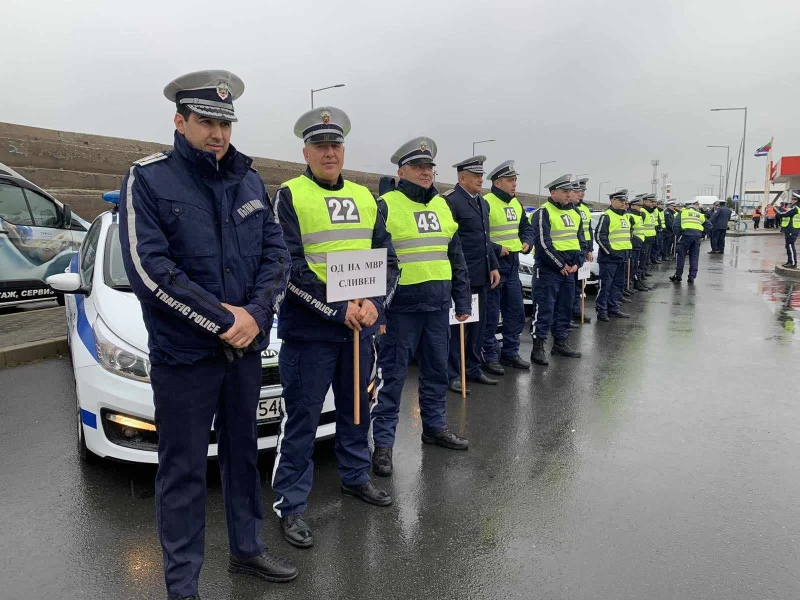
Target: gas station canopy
787	170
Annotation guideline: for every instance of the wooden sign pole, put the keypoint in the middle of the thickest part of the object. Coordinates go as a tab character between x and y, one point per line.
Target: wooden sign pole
357	377
463	363
629	274
583	298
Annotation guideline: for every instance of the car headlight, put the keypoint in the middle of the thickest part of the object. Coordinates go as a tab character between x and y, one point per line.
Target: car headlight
119	361
525	270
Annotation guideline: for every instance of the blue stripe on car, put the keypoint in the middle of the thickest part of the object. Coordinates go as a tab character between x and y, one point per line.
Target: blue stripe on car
89	418
85	331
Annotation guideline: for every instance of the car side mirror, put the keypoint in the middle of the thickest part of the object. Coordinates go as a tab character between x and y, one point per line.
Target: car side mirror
67	216
67	283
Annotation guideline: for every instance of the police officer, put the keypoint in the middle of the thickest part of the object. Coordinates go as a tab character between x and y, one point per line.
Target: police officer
207	262
585	213
636	220
557	236
320	212
471	213
673	206
688	227
511	234
790	224
657	256
613	236
649	222
719	227
432	271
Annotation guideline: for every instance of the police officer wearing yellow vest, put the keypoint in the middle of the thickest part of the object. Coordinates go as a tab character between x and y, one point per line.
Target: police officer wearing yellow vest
471	212
557	236
511	234
688	226
432	272
790	225
321	212
583	210
650	223
638	229
613	237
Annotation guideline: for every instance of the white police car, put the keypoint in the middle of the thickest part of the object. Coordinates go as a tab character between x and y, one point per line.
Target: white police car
108	347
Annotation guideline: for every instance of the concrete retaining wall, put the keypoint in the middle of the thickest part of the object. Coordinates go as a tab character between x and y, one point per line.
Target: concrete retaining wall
77	167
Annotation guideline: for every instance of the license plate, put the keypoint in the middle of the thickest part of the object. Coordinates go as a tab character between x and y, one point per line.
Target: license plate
268	410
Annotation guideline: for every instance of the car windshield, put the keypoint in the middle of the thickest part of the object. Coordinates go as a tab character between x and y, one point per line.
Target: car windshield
115	275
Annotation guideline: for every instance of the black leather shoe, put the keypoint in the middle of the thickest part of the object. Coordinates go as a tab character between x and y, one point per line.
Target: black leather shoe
786	265
455	386
482	378
690	281
516	362
626	300
577	319
296	531
195	597
619	315
675	279
640	287
712	252
538	354
627	293
445	439
603	317
494	367
648	275
561	348
267	566
369	493
382	461
574	325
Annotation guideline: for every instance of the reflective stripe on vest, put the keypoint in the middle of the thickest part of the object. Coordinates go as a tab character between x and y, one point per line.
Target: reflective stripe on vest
421	234
692	219
648	223
638	224
332	220
504	220
586	216
563	227
619	231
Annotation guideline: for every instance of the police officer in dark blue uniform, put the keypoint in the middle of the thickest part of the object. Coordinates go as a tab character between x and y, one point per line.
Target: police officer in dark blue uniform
789	219
613	237
585	213
635	216
689	226
433	272
471	212
205	258
559	242
321	212
511	234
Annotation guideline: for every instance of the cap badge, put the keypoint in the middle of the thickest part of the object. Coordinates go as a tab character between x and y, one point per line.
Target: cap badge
223	90
423	147
325	116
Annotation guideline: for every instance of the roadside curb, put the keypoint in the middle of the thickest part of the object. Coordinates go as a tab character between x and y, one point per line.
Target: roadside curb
25	353
793	274
752	234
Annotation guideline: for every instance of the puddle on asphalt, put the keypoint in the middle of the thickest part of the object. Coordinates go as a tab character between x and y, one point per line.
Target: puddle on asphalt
783	298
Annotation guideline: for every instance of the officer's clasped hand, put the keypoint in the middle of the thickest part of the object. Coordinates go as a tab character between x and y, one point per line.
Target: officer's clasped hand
494	278
244	329
504	251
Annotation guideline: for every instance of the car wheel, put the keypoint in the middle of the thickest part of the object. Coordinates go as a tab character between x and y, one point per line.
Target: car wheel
83	452
60	299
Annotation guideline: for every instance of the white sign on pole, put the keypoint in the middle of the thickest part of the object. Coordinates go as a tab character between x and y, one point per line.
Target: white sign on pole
584	272
473	318
356	274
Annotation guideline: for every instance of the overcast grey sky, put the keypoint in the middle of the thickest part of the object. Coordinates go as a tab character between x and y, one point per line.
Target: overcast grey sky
600	87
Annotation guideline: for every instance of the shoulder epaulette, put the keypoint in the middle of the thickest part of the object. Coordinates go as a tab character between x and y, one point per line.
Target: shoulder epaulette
153	158
447	193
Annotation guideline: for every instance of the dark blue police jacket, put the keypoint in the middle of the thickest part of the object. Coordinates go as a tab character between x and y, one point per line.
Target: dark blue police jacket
307	314
432	295
472	216
196	233
546	253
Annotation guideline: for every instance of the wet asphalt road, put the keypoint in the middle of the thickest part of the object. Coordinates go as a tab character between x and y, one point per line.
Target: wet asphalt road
661	465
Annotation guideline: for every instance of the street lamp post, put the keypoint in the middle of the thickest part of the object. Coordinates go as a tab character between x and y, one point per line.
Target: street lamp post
547	162
744	146
480	142
600	189
720	181
325	88
727	166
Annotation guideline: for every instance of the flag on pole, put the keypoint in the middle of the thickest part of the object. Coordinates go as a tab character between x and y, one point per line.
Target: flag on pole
764	150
